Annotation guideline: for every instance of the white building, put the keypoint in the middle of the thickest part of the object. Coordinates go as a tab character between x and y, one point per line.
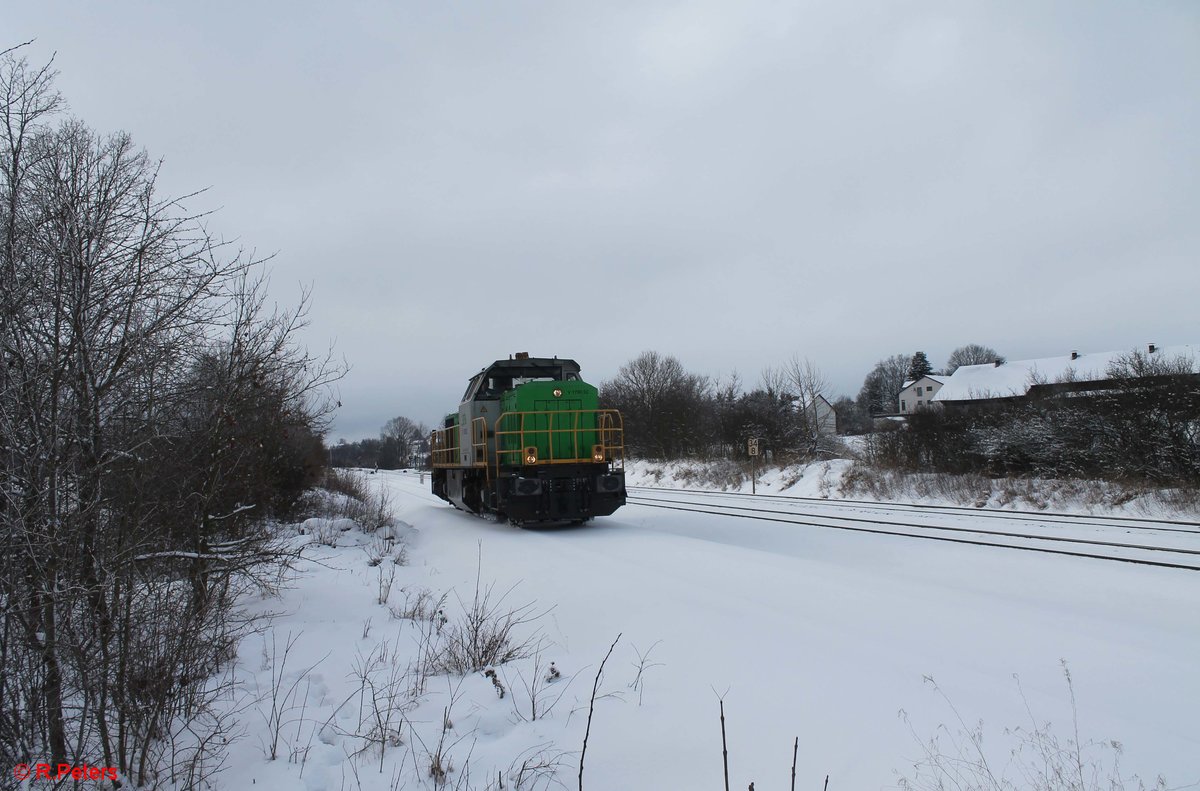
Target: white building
919	394
992	383
819	415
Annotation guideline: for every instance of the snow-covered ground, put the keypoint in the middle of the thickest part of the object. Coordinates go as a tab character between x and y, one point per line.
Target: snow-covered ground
828	479
821	635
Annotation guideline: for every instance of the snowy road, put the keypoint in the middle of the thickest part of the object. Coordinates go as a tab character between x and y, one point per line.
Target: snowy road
827	635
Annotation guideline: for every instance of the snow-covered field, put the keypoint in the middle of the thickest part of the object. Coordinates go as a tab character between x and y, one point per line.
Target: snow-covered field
816	634
828	480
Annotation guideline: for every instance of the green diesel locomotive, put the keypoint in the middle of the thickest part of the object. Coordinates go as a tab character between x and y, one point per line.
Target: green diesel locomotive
529	443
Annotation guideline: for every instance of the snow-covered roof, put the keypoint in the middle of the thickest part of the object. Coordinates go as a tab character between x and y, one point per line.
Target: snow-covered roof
1014	378
939	378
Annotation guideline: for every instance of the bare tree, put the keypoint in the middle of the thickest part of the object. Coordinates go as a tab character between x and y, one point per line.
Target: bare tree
153	412
769	413
727	415
402	429
27	102
971	354
813	411
398	438
662	404
882	387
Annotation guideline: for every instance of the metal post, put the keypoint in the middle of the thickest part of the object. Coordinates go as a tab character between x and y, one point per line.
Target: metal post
752	451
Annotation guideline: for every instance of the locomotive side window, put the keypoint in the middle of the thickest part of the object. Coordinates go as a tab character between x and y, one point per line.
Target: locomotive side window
496	385
472	386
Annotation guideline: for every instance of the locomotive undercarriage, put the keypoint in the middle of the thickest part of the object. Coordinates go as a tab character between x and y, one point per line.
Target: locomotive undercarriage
542	493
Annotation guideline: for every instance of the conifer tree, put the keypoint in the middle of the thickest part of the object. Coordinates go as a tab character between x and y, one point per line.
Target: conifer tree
919	367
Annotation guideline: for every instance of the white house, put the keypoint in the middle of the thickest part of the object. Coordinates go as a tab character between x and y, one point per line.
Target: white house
819	415
919	394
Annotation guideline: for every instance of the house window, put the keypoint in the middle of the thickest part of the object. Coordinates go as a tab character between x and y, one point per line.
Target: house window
903	405
920	402
918	392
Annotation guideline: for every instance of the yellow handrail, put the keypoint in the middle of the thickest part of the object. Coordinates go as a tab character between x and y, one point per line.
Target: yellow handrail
608	433
443	444
479	435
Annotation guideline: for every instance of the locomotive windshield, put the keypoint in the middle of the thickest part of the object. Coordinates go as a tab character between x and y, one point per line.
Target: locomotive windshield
504	375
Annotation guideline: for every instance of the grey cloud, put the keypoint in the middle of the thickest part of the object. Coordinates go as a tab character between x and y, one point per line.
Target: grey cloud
730	183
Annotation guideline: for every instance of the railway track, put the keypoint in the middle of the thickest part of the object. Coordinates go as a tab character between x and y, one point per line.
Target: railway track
1168	544
1129	522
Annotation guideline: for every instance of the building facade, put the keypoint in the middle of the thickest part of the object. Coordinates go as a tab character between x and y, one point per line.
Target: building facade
919	394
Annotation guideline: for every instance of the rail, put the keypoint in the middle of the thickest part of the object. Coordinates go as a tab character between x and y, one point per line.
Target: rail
958	534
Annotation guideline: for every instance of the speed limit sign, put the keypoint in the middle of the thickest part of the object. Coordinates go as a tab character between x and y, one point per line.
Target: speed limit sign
752	446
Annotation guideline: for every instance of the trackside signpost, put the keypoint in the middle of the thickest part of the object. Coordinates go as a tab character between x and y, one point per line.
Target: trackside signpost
752	450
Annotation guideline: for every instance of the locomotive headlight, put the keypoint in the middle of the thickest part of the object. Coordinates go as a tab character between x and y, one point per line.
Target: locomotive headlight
597	453
531	455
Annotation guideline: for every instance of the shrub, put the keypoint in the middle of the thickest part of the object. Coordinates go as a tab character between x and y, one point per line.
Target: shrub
1036	757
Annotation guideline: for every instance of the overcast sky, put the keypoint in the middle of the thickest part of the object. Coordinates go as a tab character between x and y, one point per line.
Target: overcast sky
732	183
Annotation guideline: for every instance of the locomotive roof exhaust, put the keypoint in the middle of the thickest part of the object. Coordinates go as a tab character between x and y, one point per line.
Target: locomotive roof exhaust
522	355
